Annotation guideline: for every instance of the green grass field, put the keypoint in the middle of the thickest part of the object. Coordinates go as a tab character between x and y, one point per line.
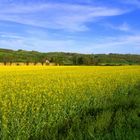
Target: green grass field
69	103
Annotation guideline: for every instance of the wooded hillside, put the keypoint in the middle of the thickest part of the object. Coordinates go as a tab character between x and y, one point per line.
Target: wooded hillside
62	58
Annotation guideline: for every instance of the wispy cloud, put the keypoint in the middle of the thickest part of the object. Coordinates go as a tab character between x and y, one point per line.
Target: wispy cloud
13	41
61	24
121	44
9	36
121	27
72	17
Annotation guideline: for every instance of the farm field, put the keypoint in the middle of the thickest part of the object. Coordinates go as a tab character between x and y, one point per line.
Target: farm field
69	102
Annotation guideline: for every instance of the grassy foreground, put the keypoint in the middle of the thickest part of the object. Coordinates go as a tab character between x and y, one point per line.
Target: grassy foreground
69	103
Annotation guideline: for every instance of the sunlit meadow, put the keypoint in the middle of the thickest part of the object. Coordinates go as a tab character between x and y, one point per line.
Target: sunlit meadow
69	102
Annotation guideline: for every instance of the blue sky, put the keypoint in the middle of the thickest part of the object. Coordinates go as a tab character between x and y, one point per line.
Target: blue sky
83	26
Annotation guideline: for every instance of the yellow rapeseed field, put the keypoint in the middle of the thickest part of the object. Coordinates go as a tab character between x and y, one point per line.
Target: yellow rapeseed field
62	102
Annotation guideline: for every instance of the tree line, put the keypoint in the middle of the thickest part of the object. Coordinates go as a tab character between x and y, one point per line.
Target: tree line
62	58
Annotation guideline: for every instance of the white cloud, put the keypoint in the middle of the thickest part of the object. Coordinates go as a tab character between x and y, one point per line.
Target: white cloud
13	41
120	44
122	27
72	17
69	17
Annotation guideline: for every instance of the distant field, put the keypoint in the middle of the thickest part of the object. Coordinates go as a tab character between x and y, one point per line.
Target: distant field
69	103
27	64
